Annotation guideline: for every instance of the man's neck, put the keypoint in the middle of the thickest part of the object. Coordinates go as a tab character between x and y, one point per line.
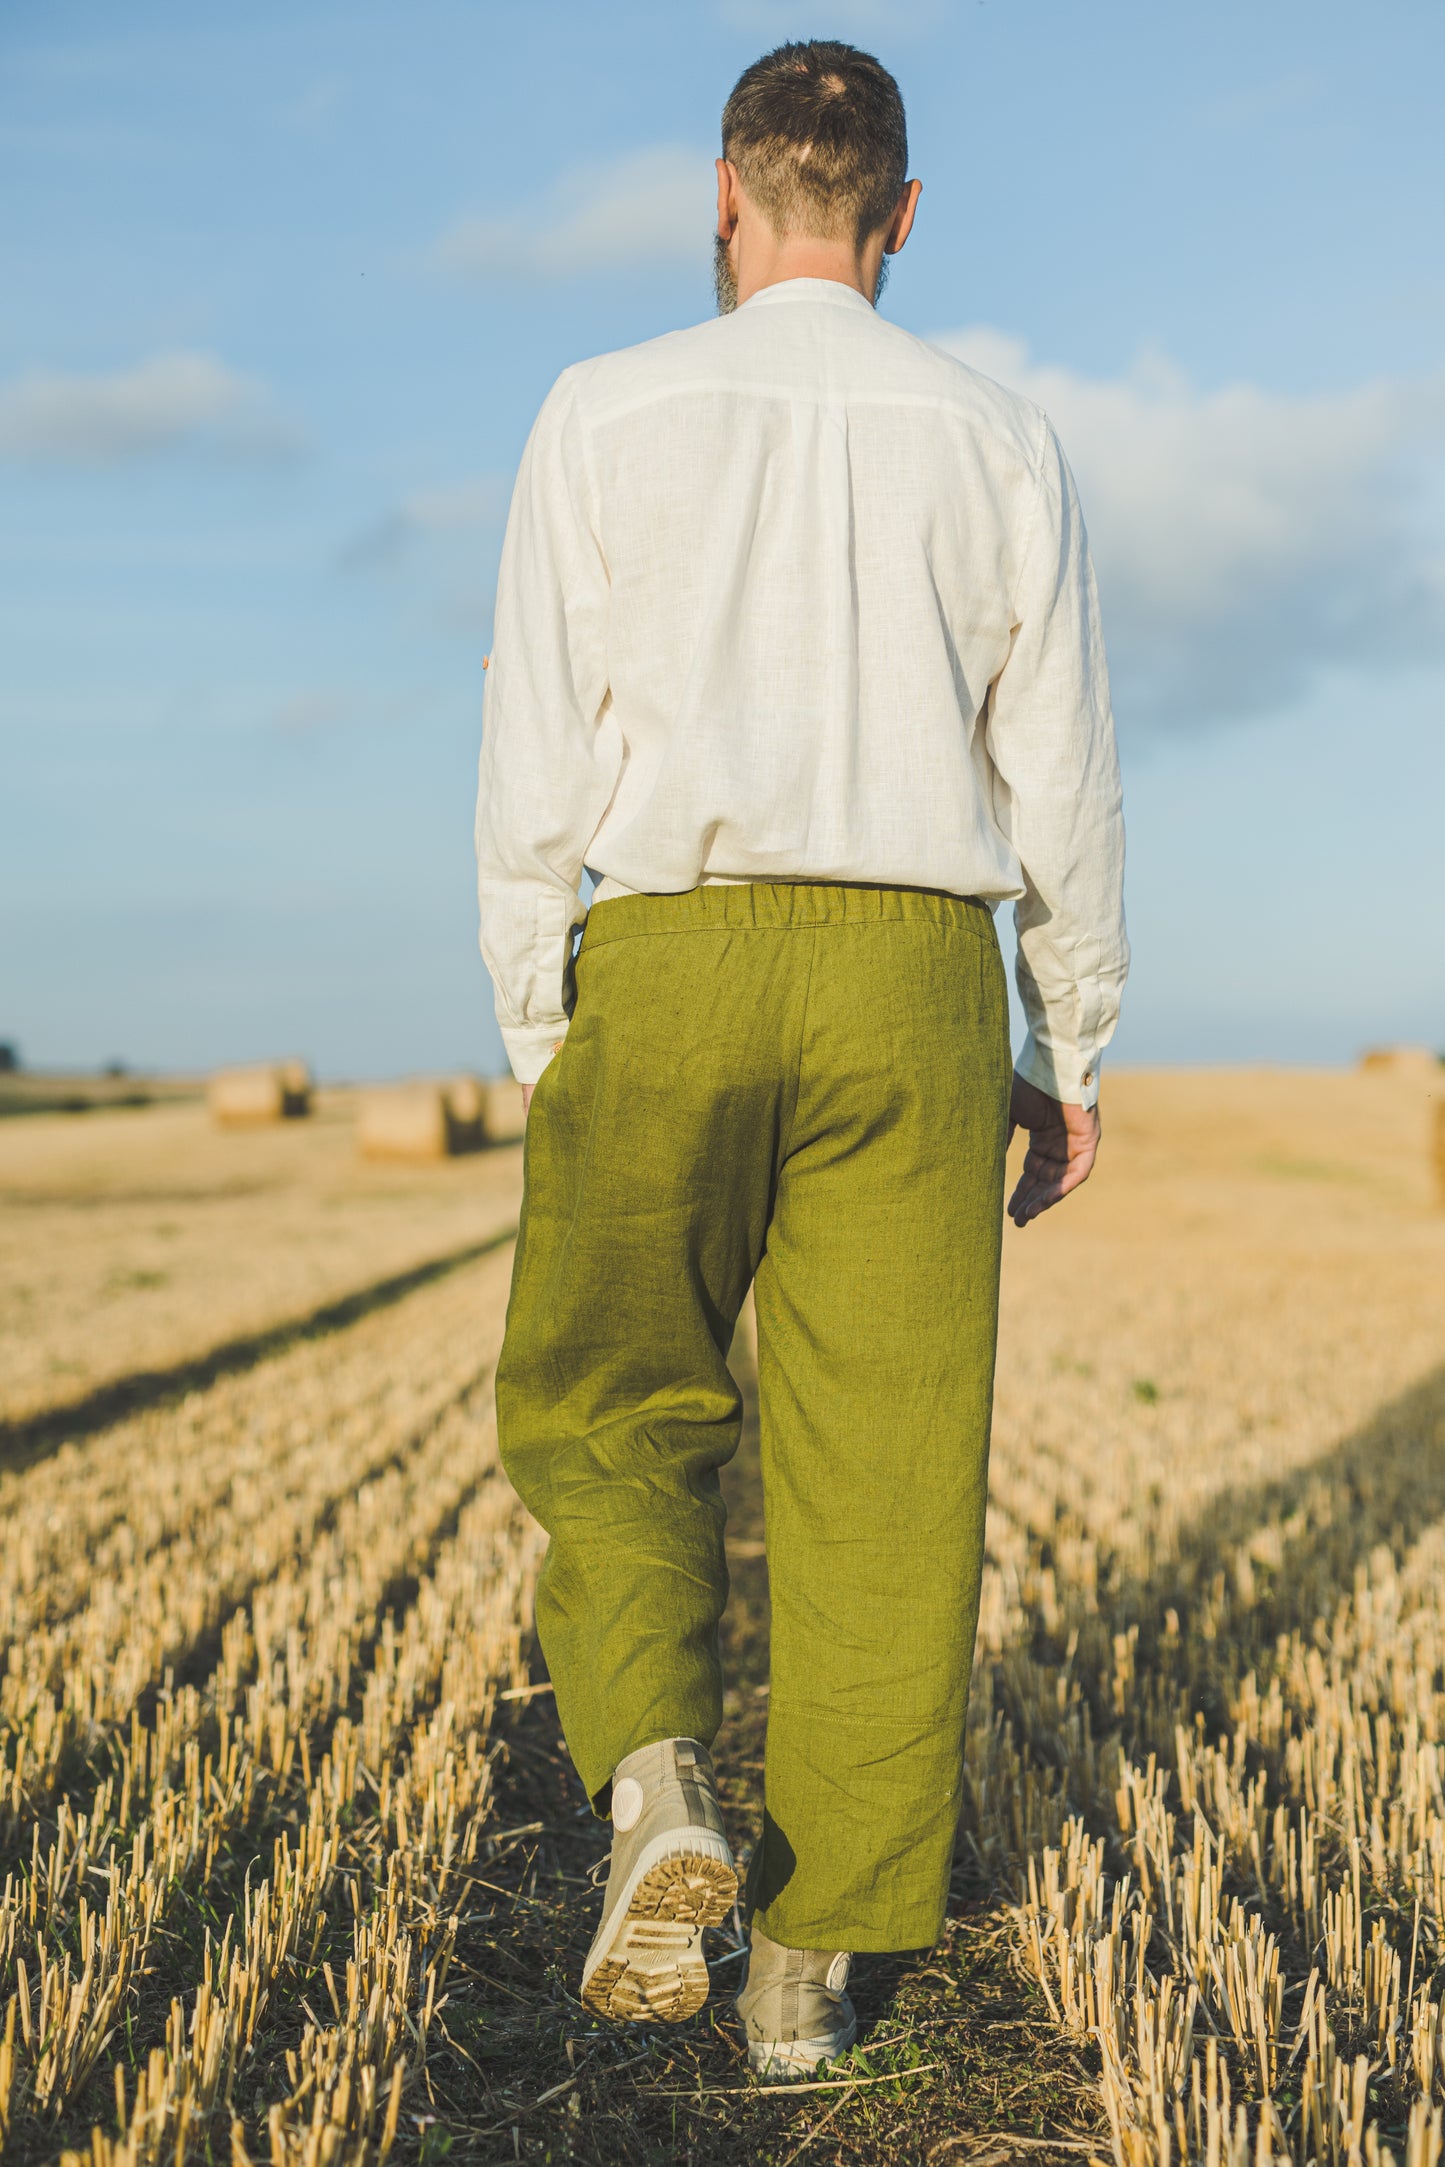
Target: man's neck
766	260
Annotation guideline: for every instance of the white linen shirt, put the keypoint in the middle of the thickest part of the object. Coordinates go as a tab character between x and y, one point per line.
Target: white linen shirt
792	595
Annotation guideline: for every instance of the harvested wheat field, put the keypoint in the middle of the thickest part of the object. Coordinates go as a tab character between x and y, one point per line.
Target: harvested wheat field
294	1867
131	1241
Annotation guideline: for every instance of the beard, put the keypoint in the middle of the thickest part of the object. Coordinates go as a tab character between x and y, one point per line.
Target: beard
725	285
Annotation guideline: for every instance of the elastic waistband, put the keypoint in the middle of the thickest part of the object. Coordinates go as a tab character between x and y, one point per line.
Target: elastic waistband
780	906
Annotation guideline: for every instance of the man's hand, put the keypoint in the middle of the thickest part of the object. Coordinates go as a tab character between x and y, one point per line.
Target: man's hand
1063	1143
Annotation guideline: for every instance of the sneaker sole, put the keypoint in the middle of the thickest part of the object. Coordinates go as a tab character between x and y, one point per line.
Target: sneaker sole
652	1967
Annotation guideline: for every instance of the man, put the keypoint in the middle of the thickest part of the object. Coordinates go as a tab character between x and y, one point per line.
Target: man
797	651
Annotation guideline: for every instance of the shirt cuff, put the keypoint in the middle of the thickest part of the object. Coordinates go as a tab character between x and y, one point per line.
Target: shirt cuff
1062	1072
530	1049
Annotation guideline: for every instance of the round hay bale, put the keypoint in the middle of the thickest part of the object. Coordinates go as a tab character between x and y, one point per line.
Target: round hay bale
268	1091
1400	1061
466	1098
466	1114
503	1117
409	1121
420	1121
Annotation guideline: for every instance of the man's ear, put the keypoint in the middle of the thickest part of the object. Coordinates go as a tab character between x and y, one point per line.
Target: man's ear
902	222
727	199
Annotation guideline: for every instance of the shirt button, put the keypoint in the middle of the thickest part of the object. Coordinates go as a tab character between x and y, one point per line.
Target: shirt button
1088	1077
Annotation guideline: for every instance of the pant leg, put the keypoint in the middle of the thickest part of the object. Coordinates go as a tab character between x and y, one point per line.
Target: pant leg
877	1315
649	1165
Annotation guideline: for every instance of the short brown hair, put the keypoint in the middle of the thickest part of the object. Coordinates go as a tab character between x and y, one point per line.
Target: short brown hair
818	136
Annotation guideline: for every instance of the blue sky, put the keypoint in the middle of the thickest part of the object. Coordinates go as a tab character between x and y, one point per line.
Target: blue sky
284	285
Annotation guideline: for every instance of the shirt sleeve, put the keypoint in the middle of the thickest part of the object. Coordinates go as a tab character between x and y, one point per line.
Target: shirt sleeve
1050	736
550	753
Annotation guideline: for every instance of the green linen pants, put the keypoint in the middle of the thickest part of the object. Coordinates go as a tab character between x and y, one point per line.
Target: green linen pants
805	1088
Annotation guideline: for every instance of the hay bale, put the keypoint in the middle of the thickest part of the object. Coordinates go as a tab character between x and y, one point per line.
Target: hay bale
406	1122
467	1104
503	1116
1440	1151
419	1121
269	1091
1400	1061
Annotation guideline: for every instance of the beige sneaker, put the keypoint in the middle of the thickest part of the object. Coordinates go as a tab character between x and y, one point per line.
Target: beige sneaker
671	1875
794	2008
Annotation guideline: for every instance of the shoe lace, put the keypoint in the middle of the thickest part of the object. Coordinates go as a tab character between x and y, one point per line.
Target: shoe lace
598	1871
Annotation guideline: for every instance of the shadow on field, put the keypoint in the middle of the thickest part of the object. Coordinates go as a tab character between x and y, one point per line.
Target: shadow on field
35	1437
534	2077
1260	1563
1277	1557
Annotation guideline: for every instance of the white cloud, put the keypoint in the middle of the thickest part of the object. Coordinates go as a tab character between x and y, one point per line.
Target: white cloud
1258	104
439	548
1245	540
160	404
305	712
450	509
653	206
314	111
443	509
313	710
